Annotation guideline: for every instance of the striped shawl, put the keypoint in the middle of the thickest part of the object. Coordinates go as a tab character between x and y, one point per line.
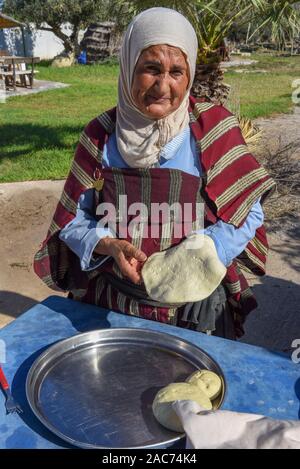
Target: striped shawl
233	181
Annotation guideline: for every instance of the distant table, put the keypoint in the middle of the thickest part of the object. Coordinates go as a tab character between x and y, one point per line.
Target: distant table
258	380
10	69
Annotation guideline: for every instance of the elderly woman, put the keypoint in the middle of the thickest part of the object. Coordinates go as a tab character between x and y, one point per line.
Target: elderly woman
160	146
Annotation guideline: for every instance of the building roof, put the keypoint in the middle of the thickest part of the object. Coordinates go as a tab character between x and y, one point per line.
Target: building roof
8	22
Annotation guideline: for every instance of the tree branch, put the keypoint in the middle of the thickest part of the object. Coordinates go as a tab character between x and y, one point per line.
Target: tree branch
43	28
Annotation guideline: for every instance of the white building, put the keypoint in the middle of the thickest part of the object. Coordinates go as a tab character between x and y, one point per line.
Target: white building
38	43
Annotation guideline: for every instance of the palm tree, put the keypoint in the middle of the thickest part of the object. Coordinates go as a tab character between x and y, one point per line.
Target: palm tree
212	26
282	19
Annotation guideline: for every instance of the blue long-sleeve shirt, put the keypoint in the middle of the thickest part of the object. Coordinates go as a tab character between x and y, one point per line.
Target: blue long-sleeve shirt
83	233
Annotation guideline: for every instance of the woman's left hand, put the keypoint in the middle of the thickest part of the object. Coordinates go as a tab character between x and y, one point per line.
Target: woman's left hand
129	259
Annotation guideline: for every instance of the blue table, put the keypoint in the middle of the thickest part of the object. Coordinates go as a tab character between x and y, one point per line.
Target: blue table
258	380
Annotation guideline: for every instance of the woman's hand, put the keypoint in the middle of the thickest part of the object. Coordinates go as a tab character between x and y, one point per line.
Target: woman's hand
129	259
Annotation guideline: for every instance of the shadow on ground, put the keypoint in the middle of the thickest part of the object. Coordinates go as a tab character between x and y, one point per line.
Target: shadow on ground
275	324
34	138
13	304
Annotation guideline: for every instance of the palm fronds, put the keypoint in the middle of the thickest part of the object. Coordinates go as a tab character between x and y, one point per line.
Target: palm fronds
282	19
251	133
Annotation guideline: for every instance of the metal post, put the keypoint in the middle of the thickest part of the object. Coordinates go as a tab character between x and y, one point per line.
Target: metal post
24	44
32	72
14	74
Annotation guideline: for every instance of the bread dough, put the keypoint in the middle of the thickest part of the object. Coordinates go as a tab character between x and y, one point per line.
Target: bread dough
185	273
162	404
208	381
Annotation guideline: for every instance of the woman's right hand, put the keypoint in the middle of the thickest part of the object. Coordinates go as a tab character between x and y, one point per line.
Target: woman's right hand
129	259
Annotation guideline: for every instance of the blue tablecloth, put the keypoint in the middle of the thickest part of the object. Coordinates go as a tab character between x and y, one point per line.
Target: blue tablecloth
258	380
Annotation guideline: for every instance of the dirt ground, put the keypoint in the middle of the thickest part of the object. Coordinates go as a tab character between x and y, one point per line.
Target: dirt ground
283	128
26	210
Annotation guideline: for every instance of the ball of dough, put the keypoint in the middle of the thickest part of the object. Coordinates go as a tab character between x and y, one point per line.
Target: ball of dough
162	404
208	381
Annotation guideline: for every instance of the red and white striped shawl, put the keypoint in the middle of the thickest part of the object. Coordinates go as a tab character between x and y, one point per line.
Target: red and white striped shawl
233	178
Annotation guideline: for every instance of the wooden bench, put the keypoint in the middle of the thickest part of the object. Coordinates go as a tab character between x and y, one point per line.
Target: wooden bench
11	69
6	77
23	74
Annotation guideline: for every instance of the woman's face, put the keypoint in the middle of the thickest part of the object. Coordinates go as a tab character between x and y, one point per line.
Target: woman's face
160	81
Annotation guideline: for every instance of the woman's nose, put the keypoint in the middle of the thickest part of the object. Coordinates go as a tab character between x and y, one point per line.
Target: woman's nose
162	83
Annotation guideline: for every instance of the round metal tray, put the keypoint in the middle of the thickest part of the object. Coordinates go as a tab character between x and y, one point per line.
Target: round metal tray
95	390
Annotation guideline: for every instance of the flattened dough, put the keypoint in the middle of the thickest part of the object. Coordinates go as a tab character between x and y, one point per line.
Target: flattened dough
186	273
162	404
208	381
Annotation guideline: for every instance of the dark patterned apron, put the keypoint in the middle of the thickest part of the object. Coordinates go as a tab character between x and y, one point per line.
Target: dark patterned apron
107	287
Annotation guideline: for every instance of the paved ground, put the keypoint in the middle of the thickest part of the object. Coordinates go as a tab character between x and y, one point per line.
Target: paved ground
38	87
238	62
26	209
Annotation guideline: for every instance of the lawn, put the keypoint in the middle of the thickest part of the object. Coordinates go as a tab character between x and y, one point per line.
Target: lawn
267	89
39	132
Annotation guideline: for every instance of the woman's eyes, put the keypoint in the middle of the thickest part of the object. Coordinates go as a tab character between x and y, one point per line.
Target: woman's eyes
177	72
153	70
157	71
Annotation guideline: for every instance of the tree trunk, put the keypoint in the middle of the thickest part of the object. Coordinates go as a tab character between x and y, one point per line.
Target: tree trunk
70	43
74	38
208	83
209	77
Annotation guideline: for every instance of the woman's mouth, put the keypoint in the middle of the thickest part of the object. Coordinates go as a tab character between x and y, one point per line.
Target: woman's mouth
157	99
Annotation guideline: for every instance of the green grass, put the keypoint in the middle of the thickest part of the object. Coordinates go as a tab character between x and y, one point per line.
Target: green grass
265	94
39	132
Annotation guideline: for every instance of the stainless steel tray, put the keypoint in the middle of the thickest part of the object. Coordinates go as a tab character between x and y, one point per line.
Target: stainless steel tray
95	390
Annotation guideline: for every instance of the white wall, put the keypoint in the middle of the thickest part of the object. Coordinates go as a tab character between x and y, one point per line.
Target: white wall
43	44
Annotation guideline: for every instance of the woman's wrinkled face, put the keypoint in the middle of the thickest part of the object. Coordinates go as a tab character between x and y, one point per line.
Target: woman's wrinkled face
160	81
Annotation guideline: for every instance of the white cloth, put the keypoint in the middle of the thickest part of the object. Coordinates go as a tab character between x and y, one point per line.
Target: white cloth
140	138
223	429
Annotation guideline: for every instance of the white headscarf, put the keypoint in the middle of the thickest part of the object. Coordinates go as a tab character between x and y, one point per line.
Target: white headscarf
140	138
